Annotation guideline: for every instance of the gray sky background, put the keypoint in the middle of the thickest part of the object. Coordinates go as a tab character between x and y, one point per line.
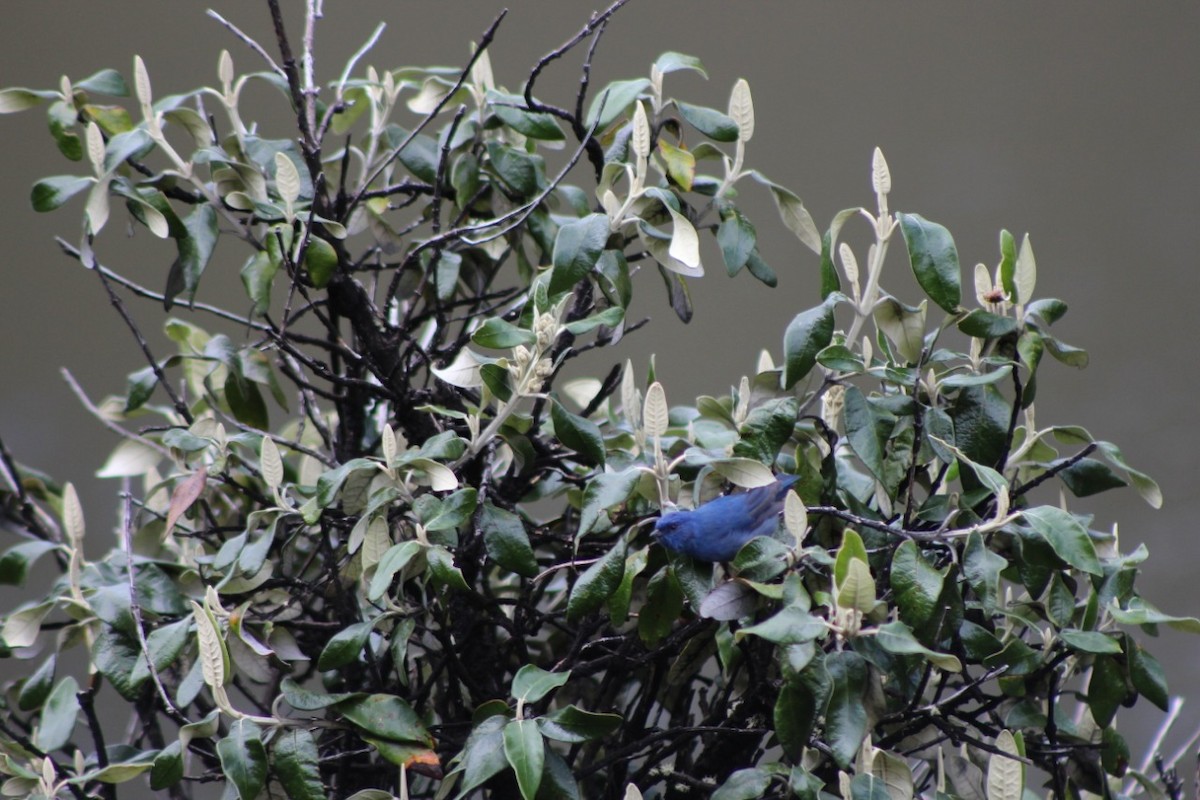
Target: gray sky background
1073	121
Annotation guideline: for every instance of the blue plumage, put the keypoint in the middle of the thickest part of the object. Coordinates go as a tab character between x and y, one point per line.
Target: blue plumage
717	530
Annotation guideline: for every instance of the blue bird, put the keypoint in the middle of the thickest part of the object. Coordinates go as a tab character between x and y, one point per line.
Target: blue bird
717	530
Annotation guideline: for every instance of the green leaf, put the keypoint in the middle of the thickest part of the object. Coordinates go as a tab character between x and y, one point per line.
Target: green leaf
50	193
37	686
452	512
483	754
578	433
16	99
296	764
917	585
526	754
1139	612
1090	642
904	325
934	259
846	716
744	784
506	541
896	637
61	117
664	604
106	81
795	715
808	334
671	61
610	317
1148	676
195	250
387	717
791	625
1106	690
115	655
167	769
441	564
710	122
321	260
58	716
302	699
393	561
867	436
246	402
535	124
795	216
243	758
130	144
760	269
615	99
573	725
1066	535
532	683
597	583
577	247
520	171
15	562
164	644
1088	476
736	237
680	164
346	645
986	325
498	334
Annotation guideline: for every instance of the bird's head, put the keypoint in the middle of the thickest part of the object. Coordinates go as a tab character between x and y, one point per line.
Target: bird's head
674	529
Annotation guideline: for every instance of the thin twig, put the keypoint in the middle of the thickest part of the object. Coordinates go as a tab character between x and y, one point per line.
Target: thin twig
142	291
105	421
253	45
180	406
484	41
135	607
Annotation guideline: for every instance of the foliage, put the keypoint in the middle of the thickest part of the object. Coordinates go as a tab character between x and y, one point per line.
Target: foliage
373	543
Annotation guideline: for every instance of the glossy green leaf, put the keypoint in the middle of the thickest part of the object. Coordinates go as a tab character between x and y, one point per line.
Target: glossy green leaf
15	563
808	334
167	769
986	325
611	102
578	433
573	725
597	583
387	717
506	541
671	61
320	259
737	238
395	559
483	754
243	758
664	604
846	716
1106	690
1090	642
577	247
603	492
532	683
896	637
917	585
521	172
1088	476
499	334
37	686
790	626
866	431
50	193
296	764
934	260
525	752
795	715
534	124
709	121
195	251
744	784
345	646
305	699
58	716
1148	676
1066	535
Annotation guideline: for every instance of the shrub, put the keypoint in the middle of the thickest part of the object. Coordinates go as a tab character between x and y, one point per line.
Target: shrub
373	543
